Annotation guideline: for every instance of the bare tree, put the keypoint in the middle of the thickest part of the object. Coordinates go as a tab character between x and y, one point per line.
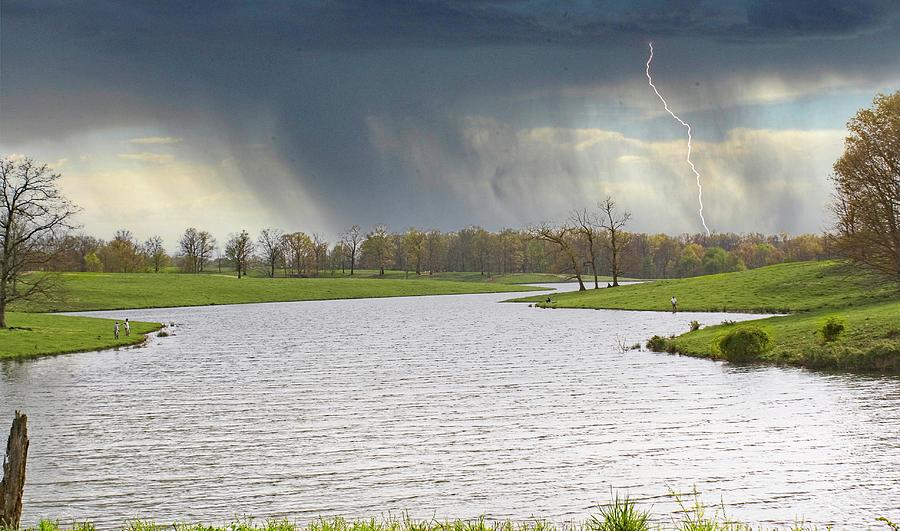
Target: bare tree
270	241
436	250
561	237
319	251
613	223
352	240
33	213
867	182
239	249
585	223
155	251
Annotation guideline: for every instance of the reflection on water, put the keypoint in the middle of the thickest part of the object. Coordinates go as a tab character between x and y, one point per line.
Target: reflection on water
443	406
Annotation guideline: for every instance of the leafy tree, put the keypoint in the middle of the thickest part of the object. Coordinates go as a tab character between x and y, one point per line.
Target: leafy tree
867	182
377	247
414	244
156	253
93	263
715	260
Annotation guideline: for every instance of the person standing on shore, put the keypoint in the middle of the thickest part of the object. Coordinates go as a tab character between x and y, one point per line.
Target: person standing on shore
116	330
127	328
674	302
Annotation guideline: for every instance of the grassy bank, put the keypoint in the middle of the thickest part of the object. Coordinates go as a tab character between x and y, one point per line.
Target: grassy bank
116	291
620	514
810	292
30	335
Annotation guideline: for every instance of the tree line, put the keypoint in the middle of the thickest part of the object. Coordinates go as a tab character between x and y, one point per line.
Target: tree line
36	234
582	246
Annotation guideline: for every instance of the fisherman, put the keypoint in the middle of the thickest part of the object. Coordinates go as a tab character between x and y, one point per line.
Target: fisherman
127	328
116	330
674	302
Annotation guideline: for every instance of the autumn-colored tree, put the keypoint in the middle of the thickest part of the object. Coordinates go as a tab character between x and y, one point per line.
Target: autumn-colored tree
414	245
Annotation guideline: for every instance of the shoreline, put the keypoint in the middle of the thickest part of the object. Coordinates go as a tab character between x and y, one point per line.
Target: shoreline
32	335
798	297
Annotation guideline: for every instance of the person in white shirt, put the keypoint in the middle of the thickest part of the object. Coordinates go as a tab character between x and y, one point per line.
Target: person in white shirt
116	330
127	327
674	304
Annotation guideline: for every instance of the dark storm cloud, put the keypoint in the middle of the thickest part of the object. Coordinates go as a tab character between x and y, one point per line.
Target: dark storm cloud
820	17
312	81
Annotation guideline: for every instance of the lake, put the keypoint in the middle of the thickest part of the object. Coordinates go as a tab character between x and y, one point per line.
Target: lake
450	406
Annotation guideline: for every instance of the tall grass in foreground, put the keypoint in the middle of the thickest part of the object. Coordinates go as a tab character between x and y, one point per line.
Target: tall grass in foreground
620	514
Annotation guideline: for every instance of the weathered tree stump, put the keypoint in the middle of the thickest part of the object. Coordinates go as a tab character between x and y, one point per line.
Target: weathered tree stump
13	484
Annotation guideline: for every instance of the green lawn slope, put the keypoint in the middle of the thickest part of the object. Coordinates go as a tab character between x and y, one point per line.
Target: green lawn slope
809	291
30	335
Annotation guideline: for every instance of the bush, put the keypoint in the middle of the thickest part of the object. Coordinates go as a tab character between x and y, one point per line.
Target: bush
695	325
657	344
833	327
744	344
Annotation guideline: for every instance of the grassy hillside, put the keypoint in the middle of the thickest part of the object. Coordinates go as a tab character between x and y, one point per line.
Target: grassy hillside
31	335
810	291
112	291
783	288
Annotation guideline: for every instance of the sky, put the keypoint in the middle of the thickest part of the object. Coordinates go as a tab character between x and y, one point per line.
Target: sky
439	114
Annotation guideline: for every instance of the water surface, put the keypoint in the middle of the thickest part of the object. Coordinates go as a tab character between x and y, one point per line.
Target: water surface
451	406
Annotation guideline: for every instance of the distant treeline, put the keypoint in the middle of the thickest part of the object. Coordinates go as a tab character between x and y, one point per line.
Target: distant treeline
277	253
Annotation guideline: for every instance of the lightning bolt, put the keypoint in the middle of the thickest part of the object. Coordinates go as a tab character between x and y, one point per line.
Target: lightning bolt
688	127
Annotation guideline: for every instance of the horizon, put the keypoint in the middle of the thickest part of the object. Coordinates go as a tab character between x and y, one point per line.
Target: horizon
441	115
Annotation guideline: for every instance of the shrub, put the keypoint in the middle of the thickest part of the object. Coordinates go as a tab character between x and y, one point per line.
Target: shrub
695	325
832	328
744	344
657	344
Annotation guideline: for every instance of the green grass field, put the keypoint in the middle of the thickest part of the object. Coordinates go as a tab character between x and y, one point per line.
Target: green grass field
34	333
116	291
809	291
31	334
